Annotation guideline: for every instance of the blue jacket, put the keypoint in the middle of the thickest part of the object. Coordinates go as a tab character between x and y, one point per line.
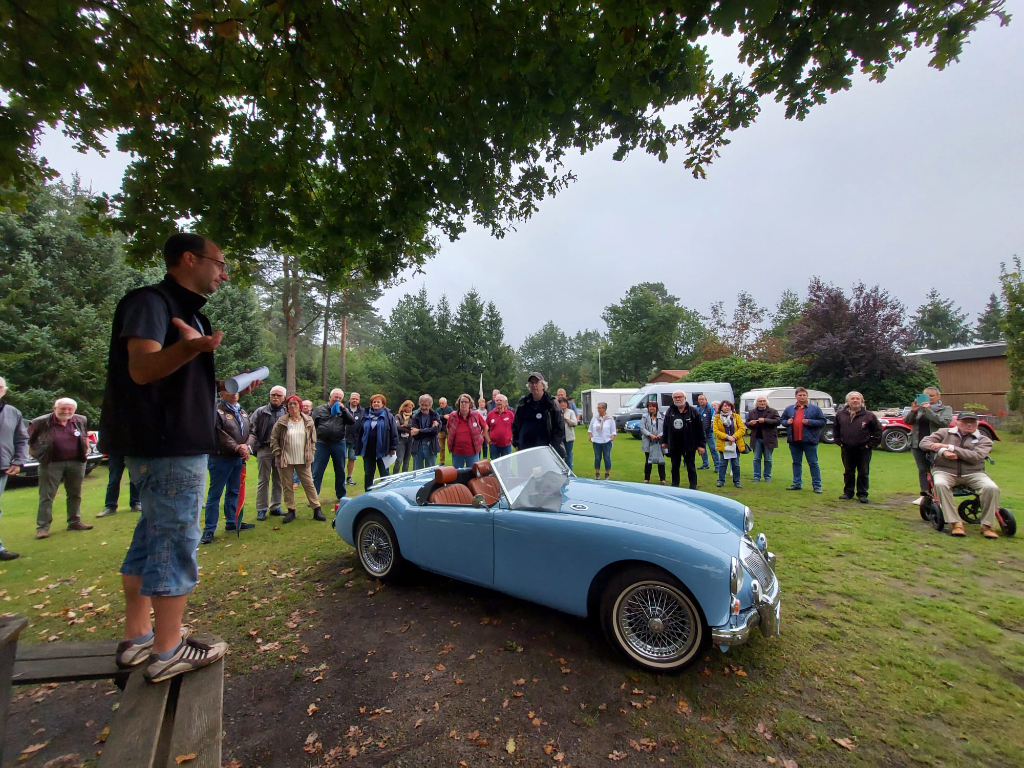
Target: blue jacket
388	444
814	421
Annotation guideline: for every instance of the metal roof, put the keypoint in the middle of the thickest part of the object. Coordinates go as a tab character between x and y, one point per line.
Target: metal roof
972	352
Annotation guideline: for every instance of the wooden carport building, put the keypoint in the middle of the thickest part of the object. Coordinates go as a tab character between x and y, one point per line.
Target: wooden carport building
974	374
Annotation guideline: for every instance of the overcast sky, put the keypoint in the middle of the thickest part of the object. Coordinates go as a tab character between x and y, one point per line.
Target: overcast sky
914	183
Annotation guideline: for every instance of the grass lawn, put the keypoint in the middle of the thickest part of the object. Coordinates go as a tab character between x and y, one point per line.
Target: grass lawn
905	641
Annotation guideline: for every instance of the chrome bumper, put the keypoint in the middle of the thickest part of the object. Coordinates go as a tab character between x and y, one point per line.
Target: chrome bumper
765	613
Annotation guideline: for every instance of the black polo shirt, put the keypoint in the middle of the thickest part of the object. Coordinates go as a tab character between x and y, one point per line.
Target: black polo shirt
175	416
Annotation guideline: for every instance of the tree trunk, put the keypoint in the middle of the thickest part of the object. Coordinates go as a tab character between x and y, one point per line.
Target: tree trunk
344	343
323	350
292	310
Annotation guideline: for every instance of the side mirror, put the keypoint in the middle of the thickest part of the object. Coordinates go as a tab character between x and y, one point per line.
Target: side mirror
479	502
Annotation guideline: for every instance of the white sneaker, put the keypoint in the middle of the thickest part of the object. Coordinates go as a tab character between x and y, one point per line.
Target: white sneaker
191	655
918	500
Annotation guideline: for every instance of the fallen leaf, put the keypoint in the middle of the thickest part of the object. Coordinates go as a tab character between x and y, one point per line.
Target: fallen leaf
102	735
558	757
510	745
616	755
35	748
846	744
440	667
815	718
312	708
191	755
548	749
786	763
418	723
473	735
353	750
241	572
520	681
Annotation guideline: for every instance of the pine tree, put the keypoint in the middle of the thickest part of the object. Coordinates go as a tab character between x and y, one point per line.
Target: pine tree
990	321
939	324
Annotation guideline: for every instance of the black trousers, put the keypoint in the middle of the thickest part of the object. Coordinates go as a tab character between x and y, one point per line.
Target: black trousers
691	469
369	465
647	469
923	468
856	464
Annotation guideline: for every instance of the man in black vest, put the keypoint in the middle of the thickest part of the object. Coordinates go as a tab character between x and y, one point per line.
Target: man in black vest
158	411
538	419
684	438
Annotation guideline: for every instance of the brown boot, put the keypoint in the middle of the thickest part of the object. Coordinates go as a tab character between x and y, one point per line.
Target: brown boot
958	530
988	532
42	533
78	525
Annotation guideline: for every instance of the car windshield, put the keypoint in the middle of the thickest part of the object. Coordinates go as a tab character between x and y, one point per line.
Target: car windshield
636	398
533	479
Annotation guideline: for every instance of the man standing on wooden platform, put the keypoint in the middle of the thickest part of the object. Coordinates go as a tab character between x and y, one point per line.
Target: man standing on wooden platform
158	411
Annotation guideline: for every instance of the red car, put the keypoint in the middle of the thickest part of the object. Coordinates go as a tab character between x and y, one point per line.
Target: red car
896	432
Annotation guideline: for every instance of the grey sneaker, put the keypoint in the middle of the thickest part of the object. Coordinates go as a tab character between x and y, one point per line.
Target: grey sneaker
136	507
107	512
191	655
130	655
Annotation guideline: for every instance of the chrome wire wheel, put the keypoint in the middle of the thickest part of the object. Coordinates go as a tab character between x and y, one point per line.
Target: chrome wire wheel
376	548
657	624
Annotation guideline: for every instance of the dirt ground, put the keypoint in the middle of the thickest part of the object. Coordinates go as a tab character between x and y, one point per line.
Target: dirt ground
432	673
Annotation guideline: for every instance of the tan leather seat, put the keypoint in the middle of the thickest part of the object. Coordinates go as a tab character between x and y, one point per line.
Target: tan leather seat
453	494
487	487
482	468
448	491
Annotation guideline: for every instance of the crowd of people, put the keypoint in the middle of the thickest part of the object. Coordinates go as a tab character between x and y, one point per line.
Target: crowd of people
166	421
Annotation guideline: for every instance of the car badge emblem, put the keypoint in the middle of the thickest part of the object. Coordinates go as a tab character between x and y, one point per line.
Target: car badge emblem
578	507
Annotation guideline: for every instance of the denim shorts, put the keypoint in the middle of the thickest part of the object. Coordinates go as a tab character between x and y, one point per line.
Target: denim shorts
166	538
351	449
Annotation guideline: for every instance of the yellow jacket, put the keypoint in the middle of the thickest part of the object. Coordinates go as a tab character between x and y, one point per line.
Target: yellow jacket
739	430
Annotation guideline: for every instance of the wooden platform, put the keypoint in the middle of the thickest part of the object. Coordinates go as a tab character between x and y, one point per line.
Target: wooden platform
154	724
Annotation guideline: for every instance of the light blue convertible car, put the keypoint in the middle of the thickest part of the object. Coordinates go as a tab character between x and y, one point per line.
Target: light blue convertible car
666	571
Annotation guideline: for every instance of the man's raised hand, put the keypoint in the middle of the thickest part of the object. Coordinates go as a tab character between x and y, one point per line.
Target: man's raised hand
194	339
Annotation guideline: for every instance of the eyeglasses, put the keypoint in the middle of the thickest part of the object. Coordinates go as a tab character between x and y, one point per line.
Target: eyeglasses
222	264
274	394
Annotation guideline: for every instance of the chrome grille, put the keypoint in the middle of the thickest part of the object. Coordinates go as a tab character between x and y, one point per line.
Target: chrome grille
758	568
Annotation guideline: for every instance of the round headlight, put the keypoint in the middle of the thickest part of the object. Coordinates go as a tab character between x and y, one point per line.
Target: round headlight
735	577
748	520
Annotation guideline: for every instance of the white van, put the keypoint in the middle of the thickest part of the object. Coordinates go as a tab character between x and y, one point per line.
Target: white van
615	398
780	397
636	406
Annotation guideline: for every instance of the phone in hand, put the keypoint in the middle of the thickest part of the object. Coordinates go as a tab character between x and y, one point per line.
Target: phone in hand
922	399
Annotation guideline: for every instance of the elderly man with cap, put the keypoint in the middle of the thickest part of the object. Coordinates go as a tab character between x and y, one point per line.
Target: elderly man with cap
59	441
538	419
960	454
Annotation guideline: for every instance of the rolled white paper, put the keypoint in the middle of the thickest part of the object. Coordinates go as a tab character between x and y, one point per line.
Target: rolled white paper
237	383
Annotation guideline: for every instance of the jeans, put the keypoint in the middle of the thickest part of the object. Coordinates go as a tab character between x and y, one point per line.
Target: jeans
424	455
856	466
709	440
51	475
497	453
690	459
268	483
370	465
798	451
3	484
724	464
759	451
459	461
225	478
335	453
403	455
568	452
163	548
115	470
603	450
